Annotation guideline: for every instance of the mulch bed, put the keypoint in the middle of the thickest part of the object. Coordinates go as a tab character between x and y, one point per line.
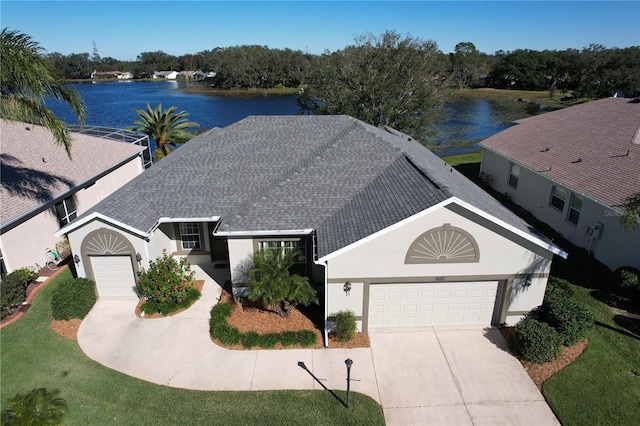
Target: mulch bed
539	373
247	317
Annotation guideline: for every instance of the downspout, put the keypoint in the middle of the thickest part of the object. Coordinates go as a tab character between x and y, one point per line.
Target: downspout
325	265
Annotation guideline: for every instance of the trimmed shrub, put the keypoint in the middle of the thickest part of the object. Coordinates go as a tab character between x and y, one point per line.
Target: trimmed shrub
535	341
571	319
226	334
307	338
269	340
73	298
165	308
250	339
560	310
219	328
288	338
345	325
13	290
628	279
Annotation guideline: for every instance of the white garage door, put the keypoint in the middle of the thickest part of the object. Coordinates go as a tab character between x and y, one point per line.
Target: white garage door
114	276
431	304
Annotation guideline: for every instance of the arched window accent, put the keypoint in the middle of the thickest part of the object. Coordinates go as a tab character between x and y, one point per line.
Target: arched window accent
445	244
105	242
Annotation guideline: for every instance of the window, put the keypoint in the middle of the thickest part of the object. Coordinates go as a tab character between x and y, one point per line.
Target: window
287	246
66	211
558	197
574	209
190	236
514	175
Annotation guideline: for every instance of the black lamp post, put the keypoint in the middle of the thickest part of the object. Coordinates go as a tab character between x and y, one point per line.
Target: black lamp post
349	363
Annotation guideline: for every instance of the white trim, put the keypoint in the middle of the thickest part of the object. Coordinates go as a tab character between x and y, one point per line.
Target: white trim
537	241
263	233
384	231
166	219
453	200
80	222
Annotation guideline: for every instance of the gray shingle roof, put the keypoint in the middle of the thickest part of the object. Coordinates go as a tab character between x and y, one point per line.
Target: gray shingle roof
335	174
593	148
36	171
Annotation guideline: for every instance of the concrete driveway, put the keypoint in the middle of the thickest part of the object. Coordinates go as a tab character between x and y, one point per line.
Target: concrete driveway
446	376
427	376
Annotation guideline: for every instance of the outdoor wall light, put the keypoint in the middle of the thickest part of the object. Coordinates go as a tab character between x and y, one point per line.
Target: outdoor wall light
347	287
138	257
76	258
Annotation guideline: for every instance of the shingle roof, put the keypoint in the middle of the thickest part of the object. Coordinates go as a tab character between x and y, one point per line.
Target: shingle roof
36	171
592	148
335	174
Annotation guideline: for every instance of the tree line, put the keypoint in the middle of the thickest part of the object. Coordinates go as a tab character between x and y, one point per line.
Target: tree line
594	71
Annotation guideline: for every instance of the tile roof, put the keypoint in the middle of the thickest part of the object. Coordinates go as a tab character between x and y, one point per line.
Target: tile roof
36	171
592	148
335	174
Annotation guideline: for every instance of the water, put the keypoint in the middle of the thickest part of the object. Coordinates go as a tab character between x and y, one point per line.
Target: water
113	104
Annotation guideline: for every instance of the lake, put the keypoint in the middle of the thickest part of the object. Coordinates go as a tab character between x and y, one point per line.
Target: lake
113	104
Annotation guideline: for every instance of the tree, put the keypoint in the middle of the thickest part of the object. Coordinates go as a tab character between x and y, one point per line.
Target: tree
38	407
28	81
466	64
386	80
631	212
271	282
167	128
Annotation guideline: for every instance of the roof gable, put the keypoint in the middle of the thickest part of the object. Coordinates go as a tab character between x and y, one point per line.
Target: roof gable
592	148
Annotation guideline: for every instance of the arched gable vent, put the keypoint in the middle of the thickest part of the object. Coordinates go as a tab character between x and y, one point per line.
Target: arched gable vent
445	244
106	242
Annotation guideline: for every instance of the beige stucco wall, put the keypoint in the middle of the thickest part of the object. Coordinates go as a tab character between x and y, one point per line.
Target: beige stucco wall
615	247
25	244
240	251
382	260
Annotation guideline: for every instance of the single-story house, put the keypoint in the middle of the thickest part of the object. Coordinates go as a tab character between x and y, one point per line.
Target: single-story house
383	227
573	169
42	189
167	75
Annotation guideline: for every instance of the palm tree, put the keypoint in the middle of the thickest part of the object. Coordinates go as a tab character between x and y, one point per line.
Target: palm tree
165	127
38	407
28	80
271	282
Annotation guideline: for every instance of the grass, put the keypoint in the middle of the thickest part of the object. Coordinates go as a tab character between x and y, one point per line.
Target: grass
32	355
540	97
603	385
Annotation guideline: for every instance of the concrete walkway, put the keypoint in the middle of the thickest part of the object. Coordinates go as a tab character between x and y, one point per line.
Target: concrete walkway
427	376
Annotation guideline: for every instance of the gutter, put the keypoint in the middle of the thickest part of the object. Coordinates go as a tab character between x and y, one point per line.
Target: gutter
263	233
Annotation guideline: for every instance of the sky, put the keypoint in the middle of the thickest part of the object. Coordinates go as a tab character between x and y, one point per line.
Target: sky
124	29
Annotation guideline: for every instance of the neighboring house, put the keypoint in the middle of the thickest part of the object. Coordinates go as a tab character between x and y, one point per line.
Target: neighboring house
573	169
42	189
167	75
383	226
120	75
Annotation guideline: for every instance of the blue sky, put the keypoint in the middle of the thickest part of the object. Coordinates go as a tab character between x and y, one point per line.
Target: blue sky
123	29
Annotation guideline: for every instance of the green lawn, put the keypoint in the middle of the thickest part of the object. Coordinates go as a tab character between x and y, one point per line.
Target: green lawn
602	387
540	97
32	355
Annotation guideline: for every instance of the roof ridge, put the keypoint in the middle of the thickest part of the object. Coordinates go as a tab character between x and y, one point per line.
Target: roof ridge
297	166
